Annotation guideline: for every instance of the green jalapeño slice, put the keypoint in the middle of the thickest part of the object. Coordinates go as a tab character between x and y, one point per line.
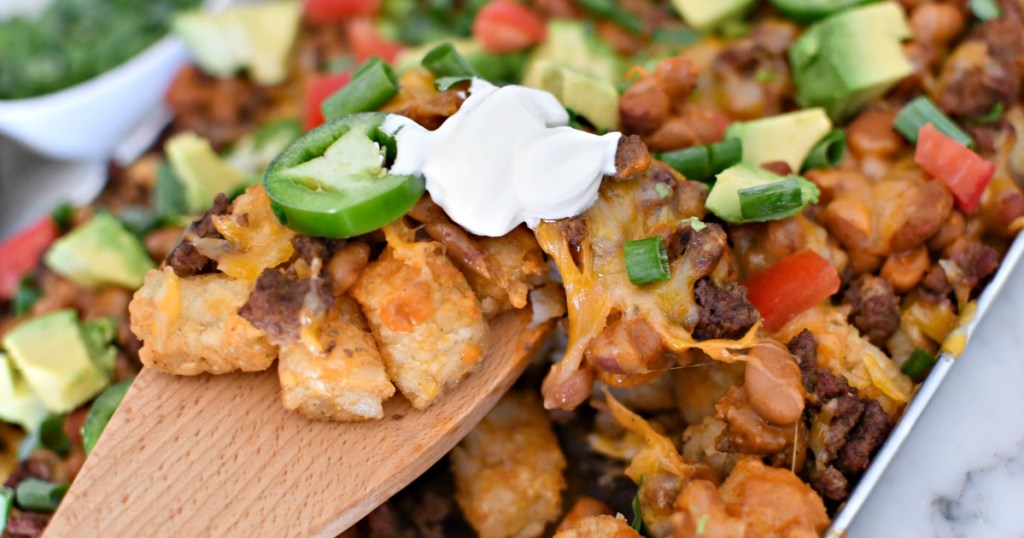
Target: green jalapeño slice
334	181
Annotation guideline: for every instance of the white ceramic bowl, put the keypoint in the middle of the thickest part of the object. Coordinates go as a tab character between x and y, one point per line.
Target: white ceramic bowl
88	121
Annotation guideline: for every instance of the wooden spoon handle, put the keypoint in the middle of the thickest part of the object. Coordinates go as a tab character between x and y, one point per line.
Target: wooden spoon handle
220	456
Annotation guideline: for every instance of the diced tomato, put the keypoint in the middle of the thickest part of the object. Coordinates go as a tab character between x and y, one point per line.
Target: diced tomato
721	122
790	286
962	170
367	42
505	26
339	10
318	88
20	254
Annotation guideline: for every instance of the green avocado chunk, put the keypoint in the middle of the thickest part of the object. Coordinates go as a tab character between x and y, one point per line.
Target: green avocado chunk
850	58
595	99
786	137
202	172
706	14
257	37
98	253
724	198
18	404
54	360
570	43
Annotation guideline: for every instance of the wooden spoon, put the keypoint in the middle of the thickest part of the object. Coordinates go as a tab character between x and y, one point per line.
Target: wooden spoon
220	456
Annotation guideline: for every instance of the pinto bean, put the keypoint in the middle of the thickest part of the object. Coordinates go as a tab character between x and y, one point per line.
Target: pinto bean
954	227
926	208
626	346
346	265
872	134
937	24
849	220
905	269
644	107
677	77
426	210
774	384
159	243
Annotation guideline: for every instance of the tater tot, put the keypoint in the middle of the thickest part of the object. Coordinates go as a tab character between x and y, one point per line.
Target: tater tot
348	382
427	322
190	325
599	527
508	470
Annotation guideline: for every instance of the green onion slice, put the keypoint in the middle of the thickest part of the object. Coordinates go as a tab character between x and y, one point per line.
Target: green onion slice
771	201
638	515
100	412
646	261
991	116
444	61
39	495
922	111
25	296
828	152
445	83
918	364
610	9
6	504
372	85
985	10
52	436
703	162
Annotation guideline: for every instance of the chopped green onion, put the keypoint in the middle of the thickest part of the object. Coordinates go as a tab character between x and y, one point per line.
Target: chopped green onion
680	37
372	85
100	412
52	436
646	261
6	504
703	162
39	495
169	194
139	220
25	297
63	215
828	152
638	516
445	83
444	61
985	10
764	76
610	9
922	111
770	201
991	116
918	364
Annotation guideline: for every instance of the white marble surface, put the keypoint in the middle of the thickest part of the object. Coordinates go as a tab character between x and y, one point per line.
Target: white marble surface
959	474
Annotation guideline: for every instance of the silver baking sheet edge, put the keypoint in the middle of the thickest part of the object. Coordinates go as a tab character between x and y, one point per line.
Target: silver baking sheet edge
842	521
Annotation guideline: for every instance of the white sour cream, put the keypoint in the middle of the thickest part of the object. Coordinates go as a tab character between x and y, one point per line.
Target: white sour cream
506	157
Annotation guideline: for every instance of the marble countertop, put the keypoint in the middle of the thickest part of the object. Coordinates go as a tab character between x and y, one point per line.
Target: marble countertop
960	473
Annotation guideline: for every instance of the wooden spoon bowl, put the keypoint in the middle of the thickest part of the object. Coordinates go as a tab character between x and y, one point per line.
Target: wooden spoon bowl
219	455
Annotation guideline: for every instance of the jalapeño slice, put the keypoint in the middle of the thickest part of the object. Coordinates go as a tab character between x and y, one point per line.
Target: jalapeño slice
334	181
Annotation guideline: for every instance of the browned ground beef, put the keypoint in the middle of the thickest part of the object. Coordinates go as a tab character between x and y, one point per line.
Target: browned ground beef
185	259
274	305
724	312
976	260
876	308
631	157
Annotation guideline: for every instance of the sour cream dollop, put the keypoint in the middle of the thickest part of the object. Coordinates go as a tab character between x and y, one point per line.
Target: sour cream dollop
506	157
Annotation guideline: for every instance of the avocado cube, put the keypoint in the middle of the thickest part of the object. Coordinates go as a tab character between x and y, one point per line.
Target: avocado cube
18	404
850	58
706	14
785	137
53	358
202	172
595	99
569	44
100	252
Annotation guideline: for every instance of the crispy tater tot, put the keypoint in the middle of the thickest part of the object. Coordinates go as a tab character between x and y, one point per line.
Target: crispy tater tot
190	325
348	382
599	527
425	318
508	470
